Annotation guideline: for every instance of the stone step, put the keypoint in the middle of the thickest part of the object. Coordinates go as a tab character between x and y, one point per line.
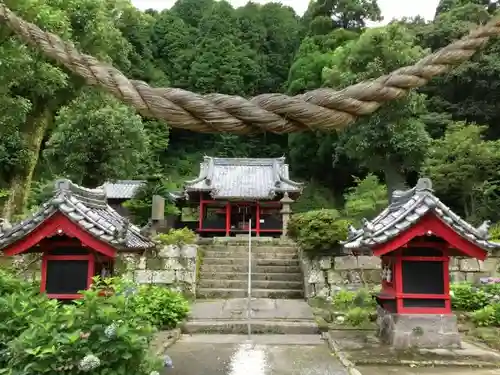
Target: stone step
243	268
255	249
256	284
242	293
255	276
257	327
255	262
260	339
244	255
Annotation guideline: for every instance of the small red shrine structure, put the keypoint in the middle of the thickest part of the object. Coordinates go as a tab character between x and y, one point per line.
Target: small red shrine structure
230	191
78	236
415	238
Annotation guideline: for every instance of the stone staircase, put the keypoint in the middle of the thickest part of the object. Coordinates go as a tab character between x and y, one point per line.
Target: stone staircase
276	271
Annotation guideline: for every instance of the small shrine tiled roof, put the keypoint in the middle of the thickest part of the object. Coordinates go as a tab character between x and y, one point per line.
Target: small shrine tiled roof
89	210
121	189
406	209
249	178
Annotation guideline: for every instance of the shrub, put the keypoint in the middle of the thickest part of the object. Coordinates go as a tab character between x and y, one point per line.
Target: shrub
345	300
357	316
177	237
487	316
495	232
9	283
96	334
17	311
318	231
160	306
466	297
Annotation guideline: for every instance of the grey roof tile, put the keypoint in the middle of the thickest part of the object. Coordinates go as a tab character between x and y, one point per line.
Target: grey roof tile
121	189
243	178
89	210
407	208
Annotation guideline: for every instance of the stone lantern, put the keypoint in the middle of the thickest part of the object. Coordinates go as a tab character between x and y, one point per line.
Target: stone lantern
286	210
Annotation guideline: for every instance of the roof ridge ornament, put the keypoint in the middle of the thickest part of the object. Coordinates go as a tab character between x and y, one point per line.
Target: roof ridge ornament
367	226
424	184
120	234
63	184
5	226
352	232
483	230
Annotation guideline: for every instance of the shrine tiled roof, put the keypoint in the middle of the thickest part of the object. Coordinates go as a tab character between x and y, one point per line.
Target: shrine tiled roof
260	178
406	209
89	210
121	189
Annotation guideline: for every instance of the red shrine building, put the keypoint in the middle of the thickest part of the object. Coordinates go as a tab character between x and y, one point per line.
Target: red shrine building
230	193
77	235
415	238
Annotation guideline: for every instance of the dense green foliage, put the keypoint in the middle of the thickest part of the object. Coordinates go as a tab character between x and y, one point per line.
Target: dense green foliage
52	126
162	307
481	301
111	332
318	231
177	237
139	206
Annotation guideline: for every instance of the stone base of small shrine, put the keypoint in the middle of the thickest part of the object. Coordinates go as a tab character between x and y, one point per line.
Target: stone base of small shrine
363	348
426	331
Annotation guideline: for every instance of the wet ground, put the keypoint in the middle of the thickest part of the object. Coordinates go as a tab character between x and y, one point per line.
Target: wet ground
264	355
384	370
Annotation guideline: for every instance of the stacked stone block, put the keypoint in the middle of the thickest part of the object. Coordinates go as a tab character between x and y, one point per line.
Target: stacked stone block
326	275
171	265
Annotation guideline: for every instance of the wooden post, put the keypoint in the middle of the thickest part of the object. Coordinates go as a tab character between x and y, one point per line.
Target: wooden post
257	219
200	220
228	219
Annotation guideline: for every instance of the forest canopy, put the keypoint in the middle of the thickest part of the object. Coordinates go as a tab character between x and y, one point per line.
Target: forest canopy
52	125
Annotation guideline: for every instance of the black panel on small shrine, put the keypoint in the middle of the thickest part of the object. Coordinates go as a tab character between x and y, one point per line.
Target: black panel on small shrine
424	302
423	277
387	304
69	250
66	276
421	252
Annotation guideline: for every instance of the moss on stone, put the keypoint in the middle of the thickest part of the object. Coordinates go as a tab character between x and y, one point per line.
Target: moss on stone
199	262
154	264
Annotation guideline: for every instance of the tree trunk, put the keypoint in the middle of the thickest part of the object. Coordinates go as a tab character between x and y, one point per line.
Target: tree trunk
394	178
19	186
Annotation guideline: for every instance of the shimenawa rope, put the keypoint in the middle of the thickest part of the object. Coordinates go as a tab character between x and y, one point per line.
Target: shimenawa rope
322	109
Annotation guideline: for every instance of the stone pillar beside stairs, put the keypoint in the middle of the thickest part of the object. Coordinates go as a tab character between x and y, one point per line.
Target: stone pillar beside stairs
286	210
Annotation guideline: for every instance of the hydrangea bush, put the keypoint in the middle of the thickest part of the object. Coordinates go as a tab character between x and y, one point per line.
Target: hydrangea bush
482	301
100	334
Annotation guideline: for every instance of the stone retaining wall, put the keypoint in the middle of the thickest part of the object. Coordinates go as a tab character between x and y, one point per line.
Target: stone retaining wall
171	266
325	276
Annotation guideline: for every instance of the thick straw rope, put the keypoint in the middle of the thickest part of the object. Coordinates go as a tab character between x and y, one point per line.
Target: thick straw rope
321	109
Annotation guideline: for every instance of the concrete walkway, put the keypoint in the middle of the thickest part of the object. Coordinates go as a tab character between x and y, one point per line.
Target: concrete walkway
402	370
264	355
284	316
285	340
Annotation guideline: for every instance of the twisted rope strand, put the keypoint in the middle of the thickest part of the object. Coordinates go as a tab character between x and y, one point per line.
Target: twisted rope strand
322	109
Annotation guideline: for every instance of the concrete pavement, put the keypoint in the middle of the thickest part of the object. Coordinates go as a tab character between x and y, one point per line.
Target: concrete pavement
212	354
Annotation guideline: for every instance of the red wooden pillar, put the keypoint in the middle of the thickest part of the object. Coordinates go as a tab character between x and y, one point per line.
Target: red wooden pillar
398	280
228	219
200	221
257	219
